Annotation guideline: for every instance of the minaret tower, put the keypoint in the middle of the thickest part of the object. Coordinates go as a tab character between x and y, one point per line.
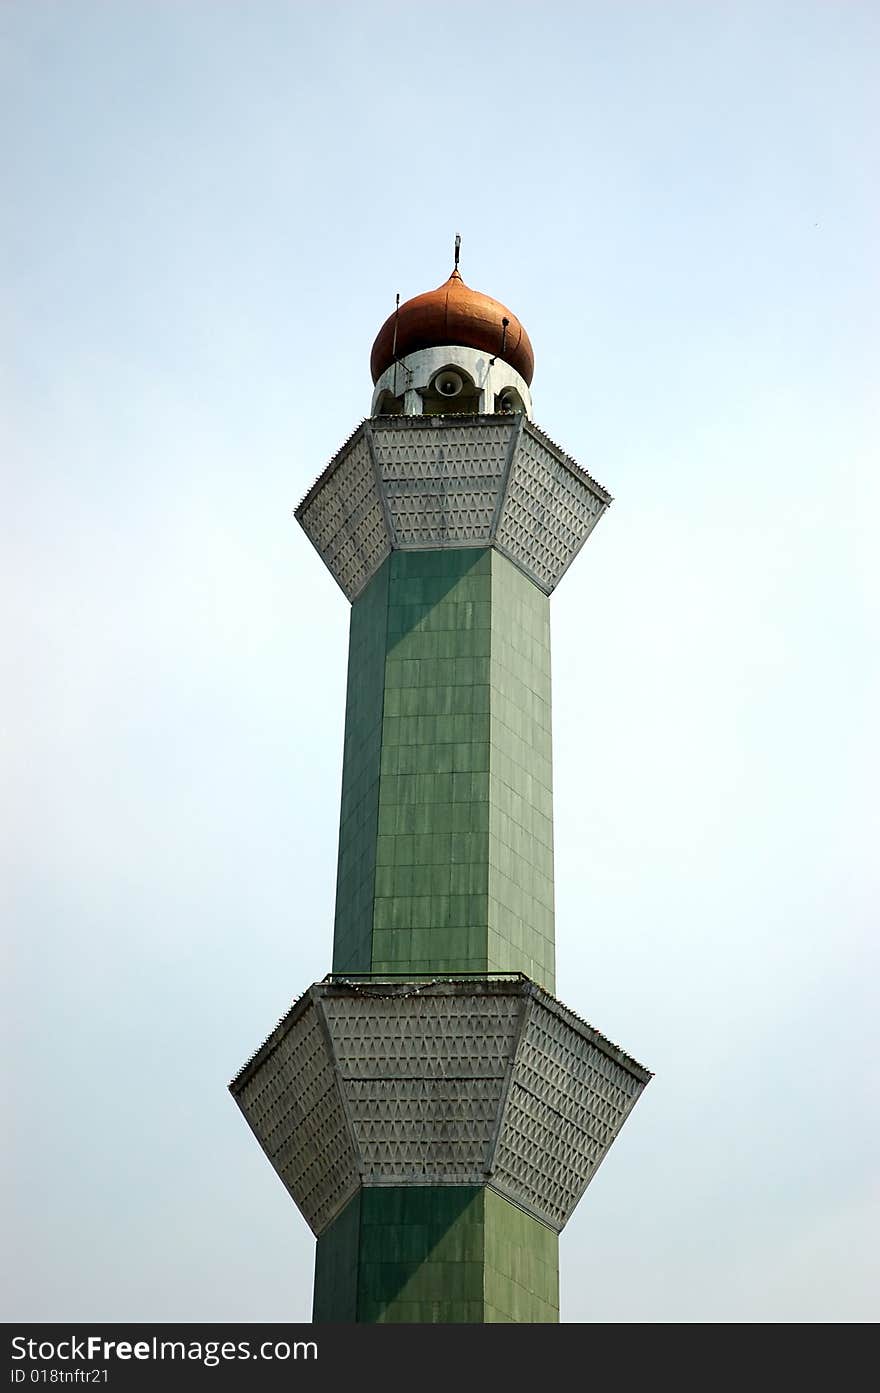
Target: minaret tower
433	1109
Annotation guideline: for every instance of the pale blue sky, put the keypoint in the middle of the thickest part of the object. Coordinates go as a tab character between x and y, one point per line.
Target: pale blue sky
207	209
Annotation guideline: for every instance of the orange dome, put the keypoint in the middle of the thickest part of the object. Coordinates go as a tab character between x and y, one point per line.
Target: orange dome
453	314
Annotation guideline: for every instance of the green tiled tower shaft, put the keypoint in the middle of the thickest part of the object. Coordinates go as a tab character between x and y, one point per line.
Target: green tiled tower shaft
445	865
446	836
436	1254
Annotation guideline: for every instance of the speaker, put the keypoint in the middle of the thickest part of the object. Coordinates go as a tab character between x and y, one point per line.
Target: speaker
449	383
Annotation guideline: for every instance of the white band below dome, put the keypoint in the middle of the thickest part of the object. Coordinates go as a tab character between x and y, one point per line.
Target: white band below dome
410	377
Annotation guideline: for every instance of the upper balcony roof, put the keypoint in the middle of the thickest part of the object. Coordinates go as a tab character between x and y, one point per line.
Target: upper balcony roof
416	483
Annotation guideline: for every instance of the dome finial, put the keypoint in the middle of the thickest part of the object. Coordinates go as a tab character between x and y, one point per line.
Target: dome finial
457	250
